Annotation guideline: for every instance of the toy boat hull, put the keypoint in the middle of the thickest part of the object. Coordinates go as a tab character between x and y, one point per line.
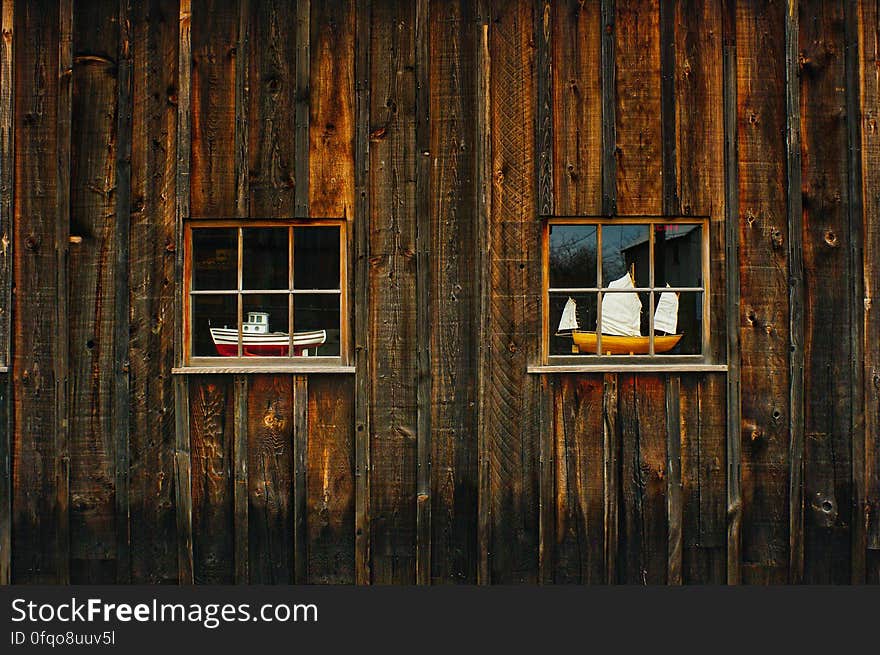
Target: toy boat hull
273	344
611	345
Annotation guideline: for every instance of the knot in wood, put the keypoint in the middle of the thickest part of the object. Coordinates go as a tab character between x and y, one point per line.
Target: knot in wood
831	239
776	237
32	242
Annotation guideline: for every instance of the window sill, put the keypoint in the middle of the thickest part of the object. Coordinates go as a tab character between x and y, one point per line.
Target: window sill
246	370
628	368
4	369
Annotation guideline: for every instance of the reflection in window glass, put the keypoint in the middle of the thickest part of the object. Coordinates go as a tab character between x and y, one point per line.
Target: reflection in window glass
220	314
678	255
316	257
264	330
215	259
315	312
265	255
572	256
625	248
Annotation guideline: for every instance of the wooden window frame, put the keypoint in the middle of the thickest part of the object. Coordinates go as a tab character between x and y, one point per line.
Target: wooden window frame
275	363
591	362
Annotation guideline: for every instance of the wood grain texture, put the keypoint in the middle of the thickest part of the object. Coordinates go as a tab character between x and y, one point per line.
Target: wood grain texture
827	490
513	326
300	411
214	39
866	474
392	278
643	529
579	490
330	478
92	318
453	295
211	438
764	328
35	461
240	471
270	428
577	108
332	110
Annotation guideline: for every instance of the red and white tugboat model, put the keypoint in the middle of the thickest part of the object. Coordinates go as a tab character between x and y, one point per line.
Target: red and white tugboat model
257	341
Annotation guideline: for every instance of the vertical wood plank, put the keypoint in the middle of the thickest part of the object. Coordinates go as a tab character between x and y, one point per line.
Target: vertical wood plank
764	275
330	479
300	448
301	109
454	280
363	569
513	272
183	489
609	109
732	308
154	28
240	493
7	164
273	429
674	508
393	270
212	429
92	280
611	474
423	297
866	451
828	392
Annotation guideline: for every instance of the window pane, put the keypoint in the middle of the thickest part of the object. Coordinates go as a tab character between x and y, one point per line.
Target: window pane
316	257
221	314
580	316
681	315
678	255
264	259
313	313
625	248
572	256
215	258
264	329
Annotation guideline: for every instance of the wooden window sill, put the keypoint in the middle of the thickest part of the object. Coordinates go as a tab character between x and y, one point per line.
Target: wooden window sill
628	368
245	370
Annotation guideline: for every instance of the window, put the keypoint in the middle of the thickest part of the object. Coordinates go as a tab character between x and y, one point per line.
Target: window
265	292
625	290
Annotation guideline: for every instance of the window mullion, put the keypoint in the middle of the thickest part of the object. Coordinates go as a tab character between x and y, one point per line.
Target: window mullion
651	292
240	297
599	294
290	291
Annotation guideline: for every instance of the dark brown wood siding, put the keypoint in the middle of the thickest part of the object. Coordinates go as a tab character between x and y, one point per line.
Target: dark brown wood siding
441	131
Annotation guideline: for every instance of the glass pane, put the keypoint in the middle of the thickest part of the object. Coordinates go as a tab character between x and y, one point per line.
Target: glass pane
579	317
572	256
264	330
316	257
625	248
312	314
678	323
678	255
219	313
264	259
215	258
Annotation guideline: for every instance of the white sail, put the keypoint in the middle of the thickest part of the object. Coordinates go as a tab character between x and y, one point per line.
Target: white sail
621	312
569	319
666	316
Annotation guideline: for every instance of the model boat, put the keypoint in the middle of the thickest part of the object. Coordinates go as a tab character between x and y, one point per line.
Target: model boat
621	323
257	341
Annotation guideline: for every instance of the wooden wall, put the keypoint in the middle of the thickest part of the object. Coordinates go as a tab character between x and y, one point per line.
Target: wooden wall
441	130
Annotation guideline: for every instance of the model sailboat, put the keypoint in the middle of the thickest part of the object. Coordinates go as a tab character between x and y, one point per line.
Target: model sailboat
621	321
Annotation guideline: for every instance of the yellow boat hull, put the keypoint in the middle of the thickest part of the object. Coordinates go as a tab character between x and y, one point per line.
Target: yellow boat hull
585	342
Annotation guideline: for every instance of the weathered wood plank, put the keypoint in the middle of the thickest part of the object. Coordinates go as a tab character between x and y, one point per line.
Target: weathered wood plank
866	473
330	478
704	525
301	109
332	105
360	236
271	481
392	278
151	266
35	549
213	183
7	166
513	327
92	281
271	134
763	264
674	507
576	424
609	109
241	491
611	442
643	528
183	482
827	485
453	233
212	428
300	426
